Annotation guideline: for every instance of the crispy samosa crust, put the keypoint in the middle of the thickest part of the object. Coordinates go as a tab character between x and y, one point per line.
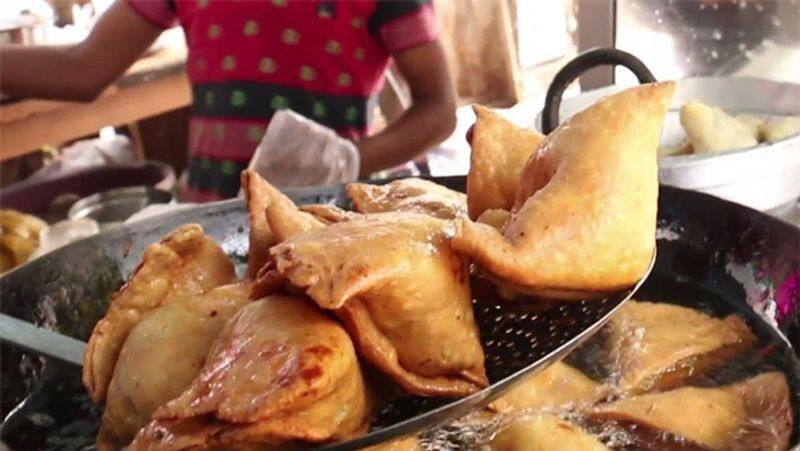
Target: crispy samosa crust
584	218
185	263
278	373
500	150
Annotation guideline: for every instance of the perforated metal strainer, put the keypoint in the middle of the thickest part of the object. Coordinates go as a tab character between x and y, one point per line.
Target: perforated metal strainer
518	340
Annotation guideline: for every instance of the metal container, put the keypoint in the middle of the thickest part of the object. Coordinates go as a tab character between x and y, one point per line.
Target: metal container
763	177
714	255
116	205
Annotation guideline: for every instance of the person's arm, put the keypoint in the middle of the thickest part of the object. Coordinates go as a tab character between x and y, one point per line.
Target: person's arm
430	119
81	71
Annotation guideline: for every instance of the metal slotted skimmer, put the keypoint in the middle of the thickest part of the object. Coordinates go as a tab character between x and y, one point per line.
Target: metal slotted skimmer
518	340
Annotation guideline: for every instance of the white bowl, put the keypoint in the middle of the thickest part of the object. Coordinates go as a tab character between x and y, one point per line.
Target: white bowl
763	177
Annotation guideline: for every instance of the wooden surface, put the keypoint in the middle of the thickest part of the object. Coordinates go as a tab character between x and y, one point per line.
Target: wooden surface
154	85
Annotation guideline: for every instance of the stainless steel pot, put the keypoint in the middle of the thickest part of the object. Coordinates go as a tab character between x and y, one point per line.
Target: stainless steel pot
116	205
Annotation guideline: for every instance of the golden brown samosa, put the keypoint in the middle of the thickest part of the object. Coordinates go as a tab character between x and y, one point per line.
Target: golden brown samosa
403	444
265	233
161	356
258	195
753	414
401	291
185	263
500	150
410	194
584	218
658	346
280	372
557	387
327	213
544	432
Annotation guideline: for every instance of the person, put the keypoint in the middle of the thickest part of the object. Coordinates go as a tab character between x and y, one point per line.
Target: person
324	59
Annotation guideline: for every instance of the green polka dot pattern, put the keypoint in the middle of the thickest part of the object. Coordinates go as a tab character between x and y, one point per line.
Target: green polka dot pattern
228	167
238	98
319	109
351	114
215	175
259	100
279	102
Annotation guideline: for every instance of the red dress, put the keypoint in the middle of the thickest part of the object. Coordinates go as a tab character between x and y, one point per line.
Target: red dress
324	59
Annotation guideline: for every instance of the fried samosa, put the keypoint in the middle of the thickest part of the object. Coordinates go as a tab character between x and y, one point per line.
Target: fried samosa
659	346
401	291
405	444
185	263
280	372
23	225
500	150
544	432
557	387
161	356
584	218
752	414
268	229
411	194
326	213
258	194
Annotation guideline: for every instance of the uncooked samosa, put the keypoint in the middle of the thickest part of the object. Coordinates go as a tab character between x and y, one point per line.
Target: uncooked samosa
280	372
584	218
499	152
710	129
781	128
